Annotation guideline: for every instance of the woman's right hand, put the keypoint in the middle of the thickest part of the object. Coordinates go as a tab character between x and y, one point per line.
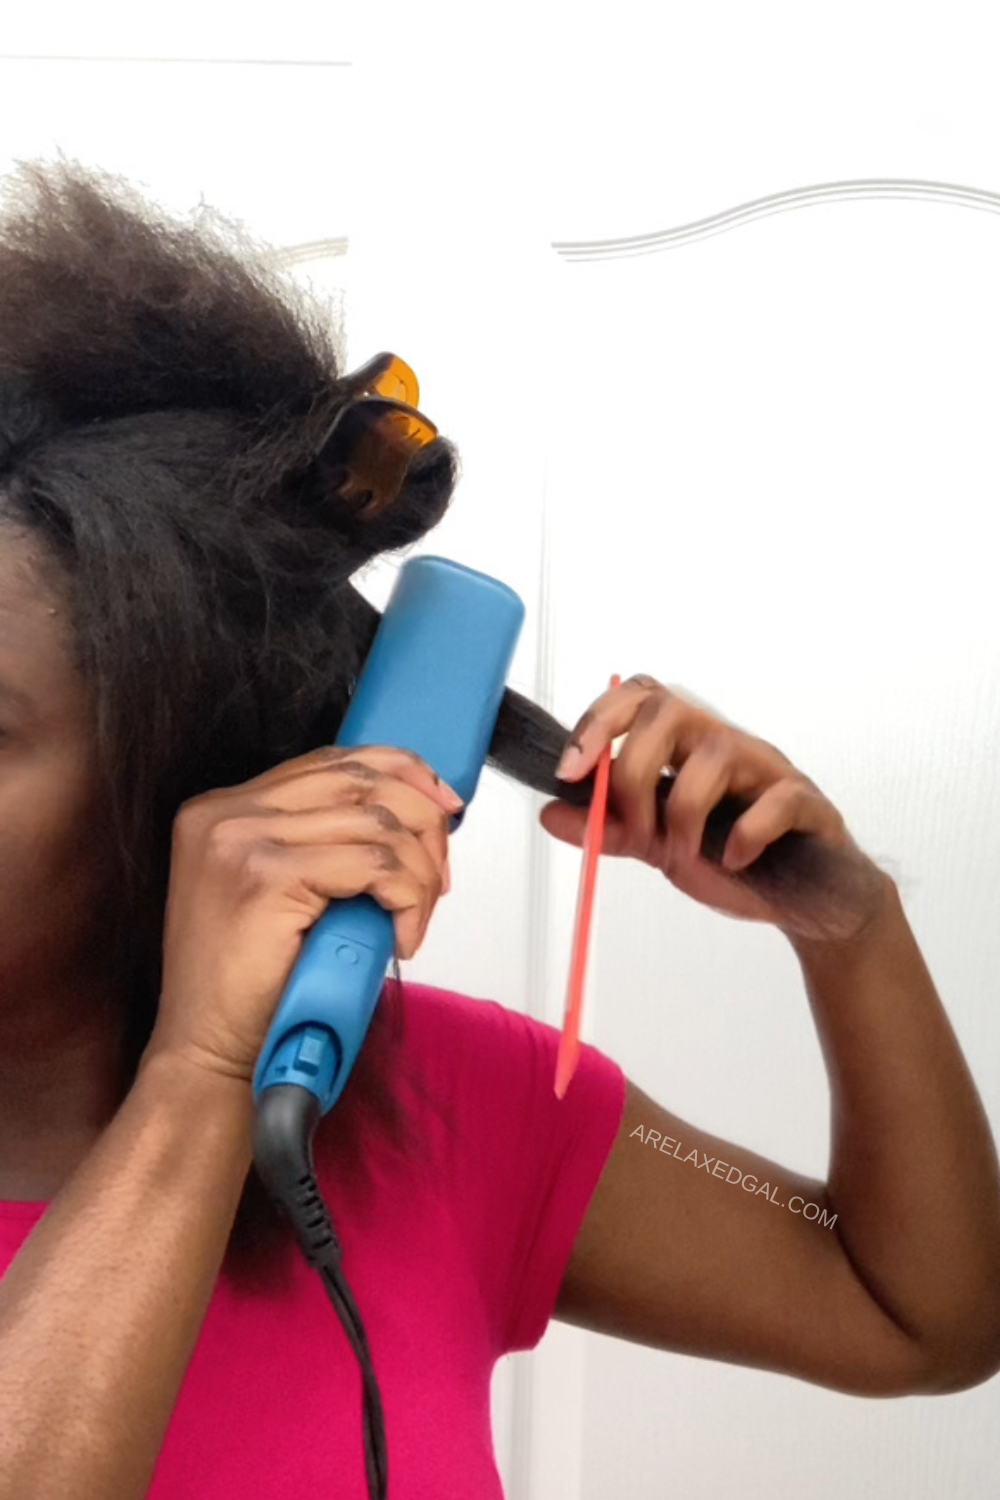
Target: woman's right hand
253	867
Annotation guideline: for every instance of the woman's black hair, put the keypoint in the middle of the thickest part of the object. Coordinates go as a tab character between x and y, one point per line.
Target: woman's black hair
164	395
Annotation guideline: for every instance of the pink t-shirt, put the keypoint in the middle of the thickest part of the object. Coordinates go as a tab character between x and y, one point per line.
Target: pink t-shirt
453	1262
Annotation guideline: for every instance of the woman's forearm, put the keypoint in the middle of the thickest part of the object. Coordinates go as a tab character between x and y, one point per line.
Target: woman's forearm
101	1309
913	1174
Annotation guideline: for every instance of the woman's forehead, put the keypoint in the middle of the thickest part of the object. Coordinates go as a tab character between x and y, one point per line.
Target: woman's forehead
34	663
28	590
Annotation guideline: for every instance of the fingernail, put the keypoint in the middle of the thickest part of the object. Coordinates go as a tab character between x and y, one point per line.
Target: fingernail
571	758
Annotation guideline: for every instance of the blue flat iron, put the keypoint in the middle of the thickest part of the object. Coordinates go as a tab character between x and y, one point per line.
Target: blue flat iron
433	682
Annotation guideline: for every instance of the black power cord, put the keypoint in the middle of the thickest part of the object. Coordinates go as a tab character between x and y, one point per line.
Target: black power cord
285	1123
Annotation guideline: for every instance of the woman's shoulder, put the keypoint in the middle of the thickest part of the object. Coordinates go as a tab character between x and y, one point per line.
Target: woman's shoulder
521	1163
492	1054
479	1033
434	1008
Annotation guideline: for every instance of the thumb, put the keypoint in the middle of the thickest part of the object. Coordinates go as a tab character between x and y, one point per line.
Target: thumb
568	824
564	822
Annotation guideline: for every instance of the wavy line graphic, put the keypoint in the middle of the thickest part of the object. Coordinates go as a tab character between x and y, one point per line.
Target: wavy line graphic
760	208
297	255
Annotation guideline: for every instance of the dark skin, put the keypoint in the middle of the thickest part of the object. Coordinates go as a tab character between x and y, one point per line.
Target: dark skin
60	1017
898	1296
899	1299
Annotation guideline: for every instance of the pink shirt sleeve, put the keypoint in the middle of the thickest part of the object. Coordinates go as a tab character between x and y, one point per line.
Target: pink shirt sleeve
455	1255
524	1164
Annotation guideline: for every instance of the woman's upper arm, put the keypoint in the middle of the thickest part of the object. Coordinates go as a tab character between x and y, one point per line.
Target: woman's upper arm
714	1255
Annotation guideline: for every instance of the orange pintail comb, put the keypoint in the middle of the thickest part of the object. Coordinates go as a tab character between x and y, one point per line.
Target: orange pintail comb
593	841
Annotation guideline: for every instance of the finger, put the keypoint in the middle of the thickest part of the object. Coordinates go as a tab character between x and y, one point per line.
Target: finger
723	762
614	712
428	822
568	824
637	767
407	765
786	805
407	879
384	859
357	781
422	818
661	722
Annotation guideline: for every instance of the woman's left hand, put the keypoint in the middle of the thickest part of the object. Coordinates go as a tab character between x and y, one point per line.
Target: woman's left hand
712	759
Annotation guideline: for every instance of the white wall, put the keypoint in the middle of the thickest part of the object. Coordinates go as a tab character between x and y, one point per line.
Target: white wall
757	460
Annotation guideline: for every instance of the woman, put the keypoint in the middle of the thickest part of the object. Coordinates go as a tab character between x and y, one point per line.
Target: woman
178	642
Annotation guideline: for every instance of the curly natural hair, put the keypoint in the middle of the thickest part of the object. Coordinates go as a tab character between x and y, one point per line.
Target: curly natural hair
163	396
